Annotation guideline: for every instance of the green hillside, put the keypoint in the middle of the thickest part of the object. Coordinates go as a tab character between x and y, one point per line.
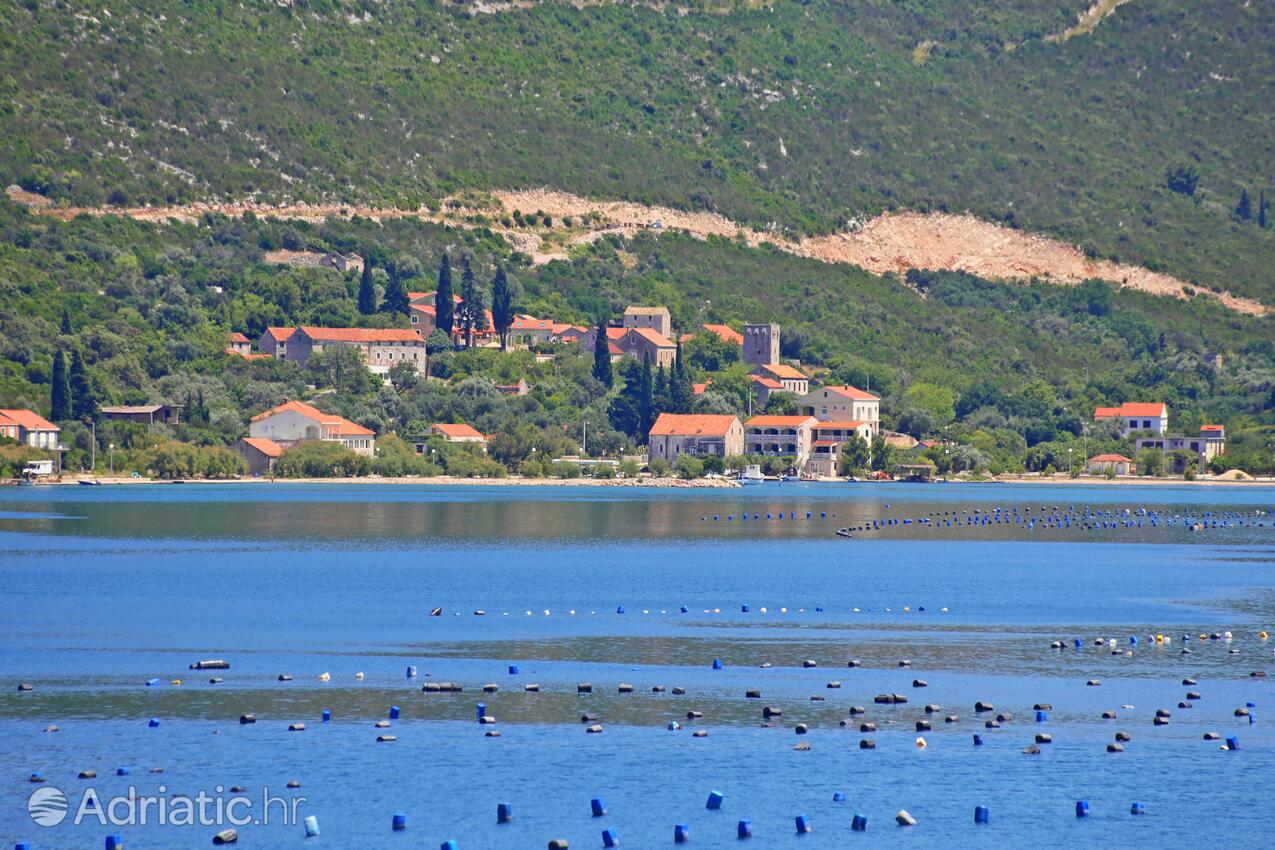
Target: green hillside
802	114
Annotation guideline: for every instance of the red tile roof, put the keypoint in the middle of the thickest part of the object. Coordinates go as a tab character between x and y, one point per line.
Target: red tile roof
778	421
855	393
281	334
457	431
692	425
265	445
238	337
768	383
653	336
29	420
344	427
1150	410
726	333
362	335
1110	458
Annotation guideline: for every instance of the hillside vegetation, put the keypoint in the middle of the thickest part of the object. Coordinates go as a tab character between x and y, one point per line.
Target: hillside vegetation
1133	141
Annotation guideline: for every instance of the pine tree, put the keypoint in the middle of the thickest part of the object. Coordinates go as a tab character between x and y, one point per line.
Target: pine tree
602	357
60	410
83	404
1244	209
66	323
367	292
444	316
646	400
502	306
396	298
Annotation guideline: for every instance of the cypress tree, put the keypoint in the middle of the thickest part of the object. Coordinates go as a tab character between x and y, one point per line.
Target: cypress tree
60	410
1262	207
1244	209
83	404
660	395
502	306
471	313
66	323
681	392
602	358
396	299
367	292
444	316
646	400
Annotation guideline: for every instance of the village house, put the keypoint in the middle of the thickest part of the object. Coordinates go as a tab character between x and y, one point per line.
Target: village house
381	348
790	380
239	344
259	453
424	319
843	403
457	433
726	334
295	421
145	414
29	428
654	318
568	333
764	387
828	439
526	331
342	262
518	389
1210	443
761	344
1136	416
274	341
697	435
1109	463
780	436
587	339
636	343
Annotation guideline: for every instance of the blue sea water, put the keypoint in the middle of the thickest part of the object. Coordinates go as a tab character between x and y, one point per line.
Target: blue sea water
106	589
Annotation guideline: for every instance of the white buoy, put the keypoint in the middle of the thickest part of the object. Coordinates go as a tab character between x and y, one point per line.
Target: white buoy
323	677
359	676
311	826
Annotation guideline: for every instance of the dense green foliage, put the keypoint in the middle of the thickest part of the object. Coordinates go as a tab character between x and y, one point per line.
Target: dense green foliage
1012	371
1135	140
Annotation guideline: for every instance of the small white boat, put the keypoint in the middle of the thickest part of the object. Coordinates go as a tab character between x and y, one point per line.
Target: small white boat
751	475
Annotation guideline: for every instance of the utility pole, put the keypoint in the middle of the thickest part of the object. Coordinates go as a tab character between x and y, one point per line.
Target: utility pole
584	438
93	447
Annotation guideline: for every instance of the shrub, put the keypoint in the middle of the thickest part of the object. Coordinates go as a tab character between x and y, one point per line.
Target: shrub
688	467
659	467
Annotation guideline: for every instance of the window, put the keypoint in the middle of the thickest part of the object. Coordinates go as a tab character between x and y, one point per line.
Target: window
1146	424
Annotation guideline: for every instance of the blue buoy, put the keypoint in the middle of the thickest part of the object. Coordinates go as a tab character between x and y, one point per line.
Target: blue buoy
599	807
114	842
716	518
1232	742
481	710
153	723
717	663
681	833
978	740
22	845
121	771
394	712
411	671
504	812
327	715
838	797
859	823
449	845
744	609
980	814
1082	808
619	609
673	726
685	610
609	838
513	669
745	829
1041	717
715	800
803	824
1138	809
150	683
823	514
399	823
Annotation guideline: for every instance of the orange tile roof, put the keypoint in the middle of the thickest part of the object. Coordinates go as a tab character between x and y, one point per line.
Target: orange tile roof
238	337
249	355
848	425
778	421
523	323
425	308
726	333
699	389
416	296
768	383
1152	409
345	427
560	328
361	334
1212	428
281	334
825	443
692	425
654	337
850	392
614	349
783	370
265	445
29	420
457	431
1110	458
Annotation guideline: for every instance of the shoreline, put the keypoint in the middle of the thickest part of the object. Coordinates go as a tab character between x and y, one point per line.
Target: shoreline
660	483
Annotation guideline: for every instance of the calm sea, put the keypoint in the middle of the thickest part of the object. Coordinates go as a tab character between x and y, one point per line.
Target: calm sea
105	590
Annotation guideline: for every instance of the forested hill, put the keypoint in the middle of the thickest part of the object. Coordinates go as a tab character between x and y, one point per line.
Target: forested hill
1136	141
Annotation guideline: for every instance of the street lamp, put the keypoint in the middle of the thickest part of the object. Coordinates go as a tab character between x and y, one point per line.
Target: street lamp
112	448
1069	451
